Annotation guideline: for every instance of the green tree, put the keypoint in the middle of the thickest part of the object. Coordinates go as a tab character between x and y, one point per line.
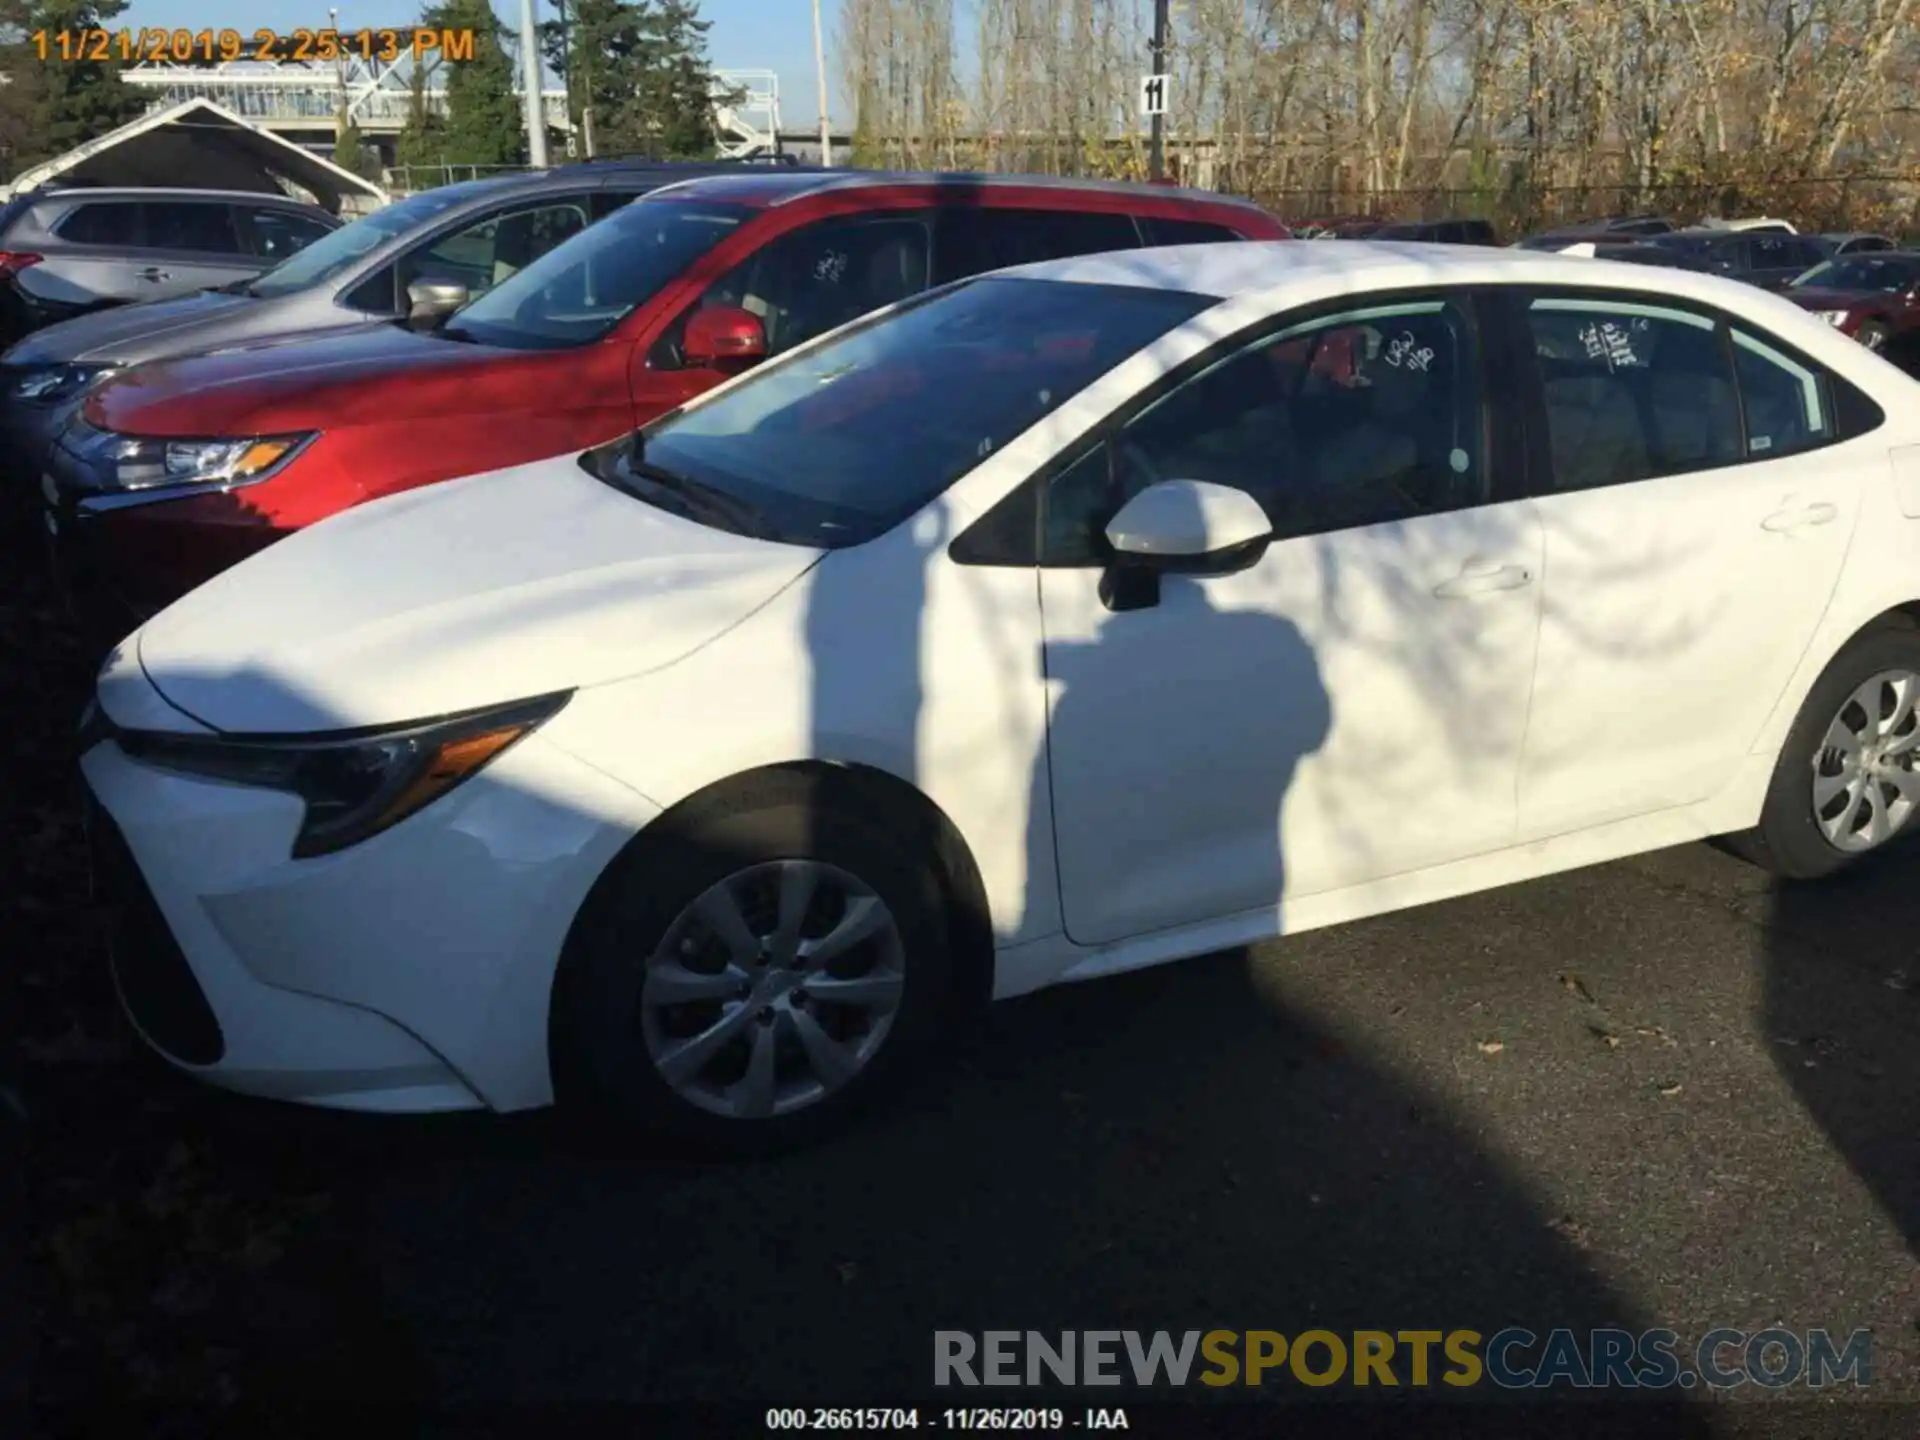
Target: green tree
422	139
481	122
350	151
485	124
52	105
641	65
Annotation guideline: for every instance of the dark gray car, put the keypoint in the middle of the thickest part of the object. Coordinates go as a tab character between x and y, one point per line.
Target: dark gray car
67	252
1766	258
421	256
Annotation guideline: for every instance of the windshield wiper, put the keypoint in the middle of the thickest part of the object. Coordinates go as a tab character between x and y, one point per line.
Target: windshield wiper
731	511
454	332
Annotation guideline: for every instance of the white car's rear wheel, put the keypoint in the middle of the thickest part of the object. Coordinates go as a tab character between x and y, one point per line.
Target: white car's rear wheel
1848	779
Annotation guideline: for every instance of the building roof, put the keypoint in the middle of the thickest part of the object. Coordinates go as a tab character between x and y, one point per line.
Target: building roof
196	139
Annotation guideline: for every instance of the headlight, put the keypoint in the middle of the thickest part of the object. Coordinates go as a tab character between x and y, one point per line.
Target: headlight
46	384
138	462
355	785
1835	318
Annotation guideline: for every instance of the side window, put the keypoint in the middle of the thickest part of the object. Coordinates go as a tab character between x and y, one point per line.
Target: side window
1632	391
1730	256
1160	230
481	255
1781	252
104	224
1786	402
378	294
816	278
273	235
603	203
190	225
974	240
1360	418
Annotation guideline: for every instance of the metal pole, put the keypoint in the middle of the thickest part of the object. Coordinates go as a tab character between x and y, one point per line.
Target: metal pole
339	78
820	68
1158	160
530	68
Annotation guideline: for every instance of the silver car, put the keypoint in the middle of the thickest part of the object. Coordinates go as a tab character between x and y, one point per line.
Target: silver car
417	259
67	252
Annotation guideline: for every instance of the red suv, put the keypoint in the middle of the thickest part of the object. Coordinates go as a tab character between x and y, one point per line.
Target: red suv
176	470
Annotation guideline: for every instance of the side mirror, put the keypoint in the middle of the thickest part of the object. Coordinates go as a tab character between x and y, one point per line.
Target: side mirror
431	301
1180	527
724	335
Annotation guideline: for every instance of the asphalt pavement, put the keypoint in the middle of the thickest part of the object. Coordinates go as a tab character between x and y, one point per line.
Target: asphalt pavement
1657	1093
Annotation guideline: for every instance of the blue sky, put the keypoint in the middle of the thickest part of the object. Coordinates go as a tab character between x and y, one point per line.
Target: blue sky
746	35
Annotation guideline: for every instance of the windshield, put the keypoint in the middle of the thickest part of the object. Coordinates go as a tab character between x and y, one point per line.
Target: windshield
1887	274
578	291
846	440
340	249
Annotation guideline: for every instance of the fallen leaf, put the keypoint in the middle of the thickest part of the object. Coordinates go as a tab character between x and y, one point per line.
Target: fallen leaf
1899	980
1489	1047
1576	987
848	1269
1670	1090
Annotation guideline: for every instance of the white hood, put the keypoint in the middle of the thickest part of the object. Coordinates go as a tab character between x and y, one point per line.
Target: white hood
495	588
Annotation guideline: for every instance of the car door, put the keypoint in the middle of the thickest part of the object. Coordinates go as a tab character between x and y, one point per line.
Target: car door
1349	706
1690	552
95	260
189	245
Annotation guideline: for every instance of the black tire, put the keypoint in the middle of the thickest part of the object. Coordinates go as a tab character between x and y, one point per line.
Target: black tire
1788	840
601	1064
1874	336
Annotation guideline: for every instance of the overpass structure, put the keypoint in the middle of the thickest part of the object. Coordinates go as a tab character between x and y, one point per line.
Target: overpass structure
300	100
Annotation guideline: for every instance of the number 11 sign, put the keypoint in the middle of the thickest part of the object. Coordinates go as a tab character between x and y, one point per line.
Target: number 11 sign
1153	94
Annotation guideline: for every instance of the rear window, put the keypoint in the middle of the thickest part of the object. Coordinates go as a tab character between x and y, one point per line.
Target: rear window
101	223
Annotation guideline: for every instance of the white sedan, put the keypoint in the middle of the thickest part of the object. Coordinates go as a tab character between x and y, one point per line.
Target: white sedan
1059	622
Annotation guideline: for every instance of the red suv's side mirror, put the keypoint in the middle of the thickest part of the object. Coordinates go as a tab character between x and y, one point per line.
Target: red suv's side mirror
721	334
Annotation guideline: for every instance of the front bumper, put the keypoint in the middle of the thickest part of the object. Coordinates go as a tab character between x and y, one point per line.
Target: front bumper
411	972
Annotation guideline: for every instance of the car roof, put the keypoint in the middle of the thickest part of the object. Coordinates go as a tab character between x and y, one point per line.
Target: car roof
1273	267
782	187
161	192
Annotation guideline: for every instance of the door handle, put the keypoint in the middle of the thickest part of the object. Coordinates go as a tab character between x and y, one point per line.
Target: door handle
154	272
1782	520
1476	581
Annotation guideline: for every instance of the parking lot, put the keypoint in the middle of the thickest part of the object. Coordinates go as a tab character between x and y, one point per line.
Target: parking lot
1655	1093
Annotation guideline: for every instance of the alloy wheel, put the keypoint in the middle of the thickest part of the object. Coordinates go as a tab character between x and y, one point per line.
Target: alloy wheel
773	989
1865	781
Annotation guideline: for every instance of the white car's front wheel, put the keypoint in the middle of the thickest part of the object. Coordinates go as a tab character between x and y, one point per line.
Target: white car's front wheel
1848	779
755	972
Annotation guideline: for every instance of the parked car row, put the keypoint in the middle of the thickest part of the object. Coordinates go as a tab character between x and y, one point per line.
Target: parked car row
856	597
158	475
